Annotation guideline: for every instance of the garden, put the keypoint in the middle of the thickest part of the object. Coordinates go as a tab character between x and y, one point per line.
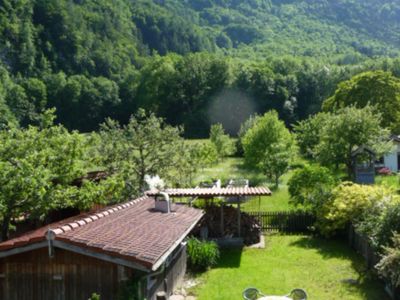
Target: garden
318	180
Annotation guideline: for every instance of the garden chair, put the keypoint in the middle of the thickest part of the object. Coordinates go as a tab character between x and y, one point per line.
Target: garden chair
298	294
252	294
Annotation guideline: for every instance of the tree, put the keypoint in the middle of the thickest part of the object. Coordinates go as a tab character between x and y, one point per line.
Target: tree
376	88
145	146
308	133
244	127
37	168
269	146
221	141
308	186
350	128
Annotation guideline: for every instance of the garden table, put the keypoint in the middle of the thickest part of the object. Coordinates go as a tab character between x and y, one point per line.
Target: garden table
275	298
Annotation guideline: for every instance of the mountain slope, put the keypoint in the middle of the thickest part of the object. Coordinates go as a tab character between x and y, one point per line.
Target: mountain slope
303	28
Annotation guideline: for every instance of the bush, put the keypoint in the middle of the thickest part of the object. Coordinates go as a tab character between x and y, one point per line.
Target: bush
222	142
308	185
353	203
389	266
389	222
94	297
202	254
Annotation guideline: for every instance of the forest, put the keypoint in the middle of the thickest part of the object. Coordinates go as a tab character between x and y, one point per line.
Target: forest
192	62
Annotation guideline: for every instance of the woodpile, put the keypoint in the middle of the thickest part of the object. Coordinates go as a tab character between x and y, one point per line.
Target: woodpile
250	227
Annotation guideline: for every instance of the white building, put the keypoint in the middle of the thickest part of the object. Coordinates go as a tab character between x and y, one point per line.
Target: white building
392	159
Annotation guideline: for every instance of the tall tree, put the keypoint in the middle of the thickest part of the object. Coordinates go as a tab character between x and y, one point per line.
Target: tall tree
269	146
378	88
350	128
145	146
37	168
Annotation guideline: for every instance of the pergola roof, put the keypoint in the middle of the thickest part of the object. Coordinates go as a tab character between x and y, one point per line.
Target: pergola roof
215	192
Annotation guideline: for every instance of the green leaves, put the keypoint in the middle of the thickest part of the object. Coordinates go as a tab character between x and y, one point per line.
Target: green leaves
37	168
145	146
309	186
379	89
221	141
331	138
269	146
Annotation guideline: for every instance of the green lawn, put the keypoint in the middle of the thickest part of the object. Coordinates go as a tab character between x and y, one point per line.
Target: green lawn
230	168
390	181
233	168
321	267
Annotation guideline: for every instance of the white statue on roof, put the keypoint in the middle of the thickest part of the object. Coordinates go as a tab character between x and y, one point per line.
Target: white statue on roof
154	182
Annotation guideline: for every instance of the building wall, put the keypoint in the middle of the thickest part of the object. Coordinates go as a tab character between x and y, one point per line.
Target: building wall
391	159
67	276
171	276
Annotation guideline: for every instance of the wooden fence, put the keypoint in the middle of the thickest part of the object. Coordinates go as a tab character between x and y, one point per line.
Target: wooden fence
284	221
361	244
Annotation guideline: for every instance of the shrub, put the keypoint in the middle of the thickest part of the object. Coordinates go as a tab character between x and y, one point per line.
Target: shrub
308	185
389	222
222	142
202	254
389	266
94	297
351	202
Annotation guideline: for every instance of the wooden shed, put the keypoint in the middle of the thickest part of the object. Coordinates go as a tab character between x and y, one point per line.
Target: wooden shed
134	246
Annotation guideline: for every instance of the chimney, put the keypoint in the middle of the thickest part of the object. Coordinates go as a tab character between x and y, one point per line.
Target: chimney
162	202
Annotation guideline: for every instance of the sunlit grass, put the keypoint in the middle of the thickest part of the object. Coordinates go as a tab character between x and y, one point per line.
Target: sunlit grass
323	268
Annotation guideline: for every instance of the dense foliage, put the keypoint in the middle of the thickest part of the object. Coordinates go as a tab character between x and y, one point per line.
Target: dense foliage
389	266
221	141
95	59
332	138
308	186
380	89
269	146
351	203
202	254
145	146
38	167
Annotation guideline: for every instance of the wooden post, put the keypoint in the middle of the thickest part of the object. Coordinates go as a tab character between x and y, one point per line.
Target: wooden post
239	216
222	219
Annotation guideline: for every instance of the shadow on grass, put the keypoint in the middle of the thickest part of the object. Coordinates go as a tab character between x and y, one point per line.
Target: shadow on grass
367	283
230	258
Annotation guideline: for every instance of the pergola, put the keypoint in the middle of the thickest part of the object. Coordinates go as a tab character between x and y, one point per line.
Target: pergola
235	193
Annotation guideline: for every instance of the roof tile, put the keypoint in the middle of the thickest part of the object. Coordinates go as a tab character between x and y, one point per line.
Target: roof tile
134	230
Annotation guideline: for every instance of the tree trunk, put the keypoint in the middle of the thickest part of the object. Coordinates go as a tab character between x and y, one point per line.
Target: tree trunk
5	226
350	170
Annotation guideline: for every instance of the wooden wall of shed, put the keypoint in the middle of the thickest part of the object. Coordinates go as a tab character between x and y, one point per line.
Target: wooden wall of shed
67	276
173	274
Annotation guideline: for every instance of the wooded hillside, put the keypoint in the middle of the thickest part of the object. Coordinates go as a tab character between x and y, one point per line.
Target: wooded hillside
98	59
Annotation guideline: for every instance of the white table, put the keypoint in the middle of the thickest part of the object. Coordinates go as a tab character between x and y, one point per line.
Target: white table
275	298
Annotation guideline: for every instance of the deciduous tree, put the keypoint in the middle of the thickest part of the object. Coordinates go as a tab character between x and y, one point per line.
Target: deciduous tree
269	146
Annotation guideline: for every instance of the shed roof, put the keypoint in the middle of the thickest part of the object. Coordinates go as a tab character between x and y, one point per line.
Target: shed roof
132	231
215	192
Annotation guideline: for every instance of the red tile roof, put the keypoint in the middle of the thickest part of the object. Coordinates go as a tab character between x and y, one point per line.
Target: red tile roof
133	231
215	192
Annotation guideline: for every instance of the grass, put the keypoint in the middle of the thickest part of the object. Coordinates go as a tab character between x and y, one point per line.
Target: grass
230	168
321	267
389	180
233	168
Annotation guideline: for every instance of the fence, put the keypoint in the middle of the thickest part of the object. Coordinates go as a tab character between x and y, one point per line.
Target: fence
361	244
285	221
